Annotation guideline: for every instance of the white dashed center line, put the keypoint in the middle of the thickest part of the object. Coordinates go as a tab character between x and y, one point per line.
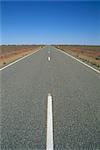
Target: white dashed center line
49	144
49	58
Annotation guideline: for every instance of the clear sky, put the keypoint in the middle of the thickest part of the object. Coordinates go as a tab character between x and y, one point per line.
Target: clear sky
49	22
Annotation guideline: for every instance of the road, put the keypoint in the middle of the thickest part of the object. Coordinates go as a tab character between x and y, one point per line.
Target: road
75	91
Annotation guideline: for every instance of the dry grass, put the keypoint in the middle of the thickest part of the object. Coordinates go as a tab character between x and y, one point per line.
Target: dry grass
11	53
88	54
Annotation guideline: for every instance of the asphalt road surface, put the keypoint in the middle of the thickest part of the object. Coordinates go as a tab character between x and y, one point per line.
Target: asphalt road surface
75	91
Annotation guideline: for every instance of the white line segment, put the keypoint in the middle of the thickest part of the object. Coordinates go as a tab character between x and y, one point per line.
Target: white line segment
79	61
49	58
17	60
49	144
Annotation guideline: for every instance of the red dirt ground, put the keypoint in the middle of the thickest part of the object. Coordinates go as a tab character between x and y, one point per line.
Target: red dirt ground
11	53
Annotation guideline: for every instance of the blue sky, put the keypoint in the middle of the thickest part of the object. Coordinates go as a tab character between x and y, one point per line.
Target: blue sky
49	22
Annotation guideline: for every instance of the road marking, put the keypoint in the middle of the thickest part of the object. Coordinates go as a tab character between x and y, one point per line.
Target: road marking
49	52
17	60
79	61
49	58
49	144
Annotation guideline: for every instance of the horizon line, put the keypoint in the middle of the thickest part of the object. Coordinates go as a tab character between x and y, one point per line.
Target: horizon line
48	44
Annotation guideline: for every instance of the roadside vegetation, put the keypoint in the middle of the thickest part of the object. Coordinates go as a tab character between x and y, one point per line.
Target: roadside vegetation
10	53
88	54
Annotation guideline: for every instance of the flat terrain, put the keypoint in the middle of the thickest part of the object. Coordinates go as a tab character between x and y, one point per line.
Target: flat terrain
75	90
88	54
9	53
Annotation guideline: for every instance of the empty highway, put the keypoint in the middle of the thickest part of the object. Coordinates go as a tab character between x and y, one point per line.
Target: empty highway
72	88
